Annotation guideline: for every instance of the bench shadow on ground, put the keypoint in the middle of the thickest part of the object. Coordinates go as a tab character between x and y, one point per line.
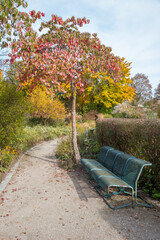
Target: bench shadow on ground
139	223
82	185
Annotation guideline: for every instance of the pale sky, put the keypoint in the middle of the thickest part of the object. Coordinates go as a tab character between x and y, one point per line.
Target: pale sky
130	27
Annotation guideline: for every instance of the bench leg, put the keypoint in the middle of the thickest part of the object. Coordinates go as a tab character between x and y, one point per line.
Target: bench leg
105	196
145	204
92	183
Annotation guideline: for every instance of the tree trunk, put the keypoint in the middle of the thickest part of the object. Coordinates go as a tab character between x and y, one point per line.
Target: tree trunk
77	156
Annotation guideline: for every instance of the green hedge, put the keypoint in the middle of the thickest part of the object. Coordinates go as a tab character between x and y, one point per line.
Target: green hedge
140	138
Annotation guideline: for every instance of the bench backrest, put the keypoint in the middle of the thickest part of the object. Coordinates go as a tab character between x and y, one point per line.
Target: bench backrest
111	158
103	154
133	170
125	166
120	164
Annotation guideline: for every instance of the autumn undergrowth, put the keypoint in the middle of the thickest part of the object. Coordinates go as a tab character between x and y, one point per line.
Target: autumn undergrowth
29	136
35	134
87	143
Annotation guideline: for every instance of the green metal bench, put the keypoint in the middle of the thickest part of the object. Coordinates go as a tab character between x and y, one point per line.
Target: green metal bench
117	170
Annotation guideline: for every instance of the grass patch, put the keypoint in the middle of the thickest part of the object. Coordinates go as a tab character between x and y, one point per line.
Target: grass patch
33	135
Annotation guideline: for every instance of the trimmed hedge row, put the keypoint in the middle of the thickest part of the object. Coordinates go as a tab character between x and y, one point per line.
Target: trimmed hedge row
138	137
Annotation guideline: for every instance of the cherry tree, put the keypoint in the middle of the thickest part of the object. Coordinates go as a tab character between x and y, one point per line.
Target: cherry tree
62	56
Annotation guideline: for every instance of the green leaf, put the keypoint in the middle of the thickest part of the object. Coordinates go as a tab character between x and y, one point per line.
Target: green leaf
156	195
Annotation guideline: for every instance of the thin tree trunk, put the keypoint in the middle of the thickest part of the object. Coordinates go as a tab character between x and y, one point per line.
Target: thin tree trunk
74	130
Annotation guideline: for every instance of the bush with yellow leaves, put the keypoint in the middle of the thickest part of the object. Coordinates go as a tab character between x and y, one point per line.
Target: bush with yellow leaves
44	107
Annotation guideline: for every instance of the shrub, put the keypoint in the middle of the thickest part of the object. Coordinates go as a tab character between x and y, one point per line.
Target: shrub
86	141
139	138
84	127
43	107
6	156
107	116
69	118
65	153
88	145
100	116
90	115
12	108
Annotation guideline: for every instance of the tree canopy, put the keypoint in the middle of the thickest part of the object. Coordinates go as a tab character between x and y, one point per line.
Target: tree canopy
64	56
9	16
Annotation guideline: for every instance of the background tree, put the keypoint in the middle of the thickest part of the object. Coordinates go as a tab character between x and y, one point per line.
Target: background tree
104	93
157	92
157	100
143	88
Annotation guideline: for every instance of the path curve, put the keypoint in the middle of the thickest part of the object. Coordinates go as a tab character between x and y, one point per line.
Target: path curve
44	202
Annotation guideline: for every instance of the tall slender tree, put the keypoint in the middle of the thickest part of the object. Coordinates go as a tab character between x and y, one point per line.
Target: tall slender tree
63	55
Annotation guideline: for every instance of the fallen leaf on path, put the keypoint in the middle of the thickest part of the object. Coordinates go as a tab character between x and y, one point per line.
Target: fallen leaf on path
136	216
14	189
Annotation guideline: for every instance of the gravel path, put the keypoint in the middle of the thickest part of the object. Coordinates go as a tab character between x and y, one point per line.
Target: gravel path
44	202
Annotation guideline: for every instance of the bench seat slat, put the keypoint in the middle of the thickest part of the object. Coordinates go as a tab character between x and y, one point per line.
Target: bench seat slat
98	173
85	161
89	165
105	182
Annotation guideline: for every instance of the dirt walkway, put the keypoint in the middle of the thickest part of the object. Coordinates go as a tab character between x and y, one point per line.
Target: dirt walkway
44	202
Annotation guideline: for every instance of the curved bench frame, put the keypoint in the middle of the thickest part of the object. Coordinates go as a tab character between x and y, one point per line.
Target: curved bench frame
93	166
